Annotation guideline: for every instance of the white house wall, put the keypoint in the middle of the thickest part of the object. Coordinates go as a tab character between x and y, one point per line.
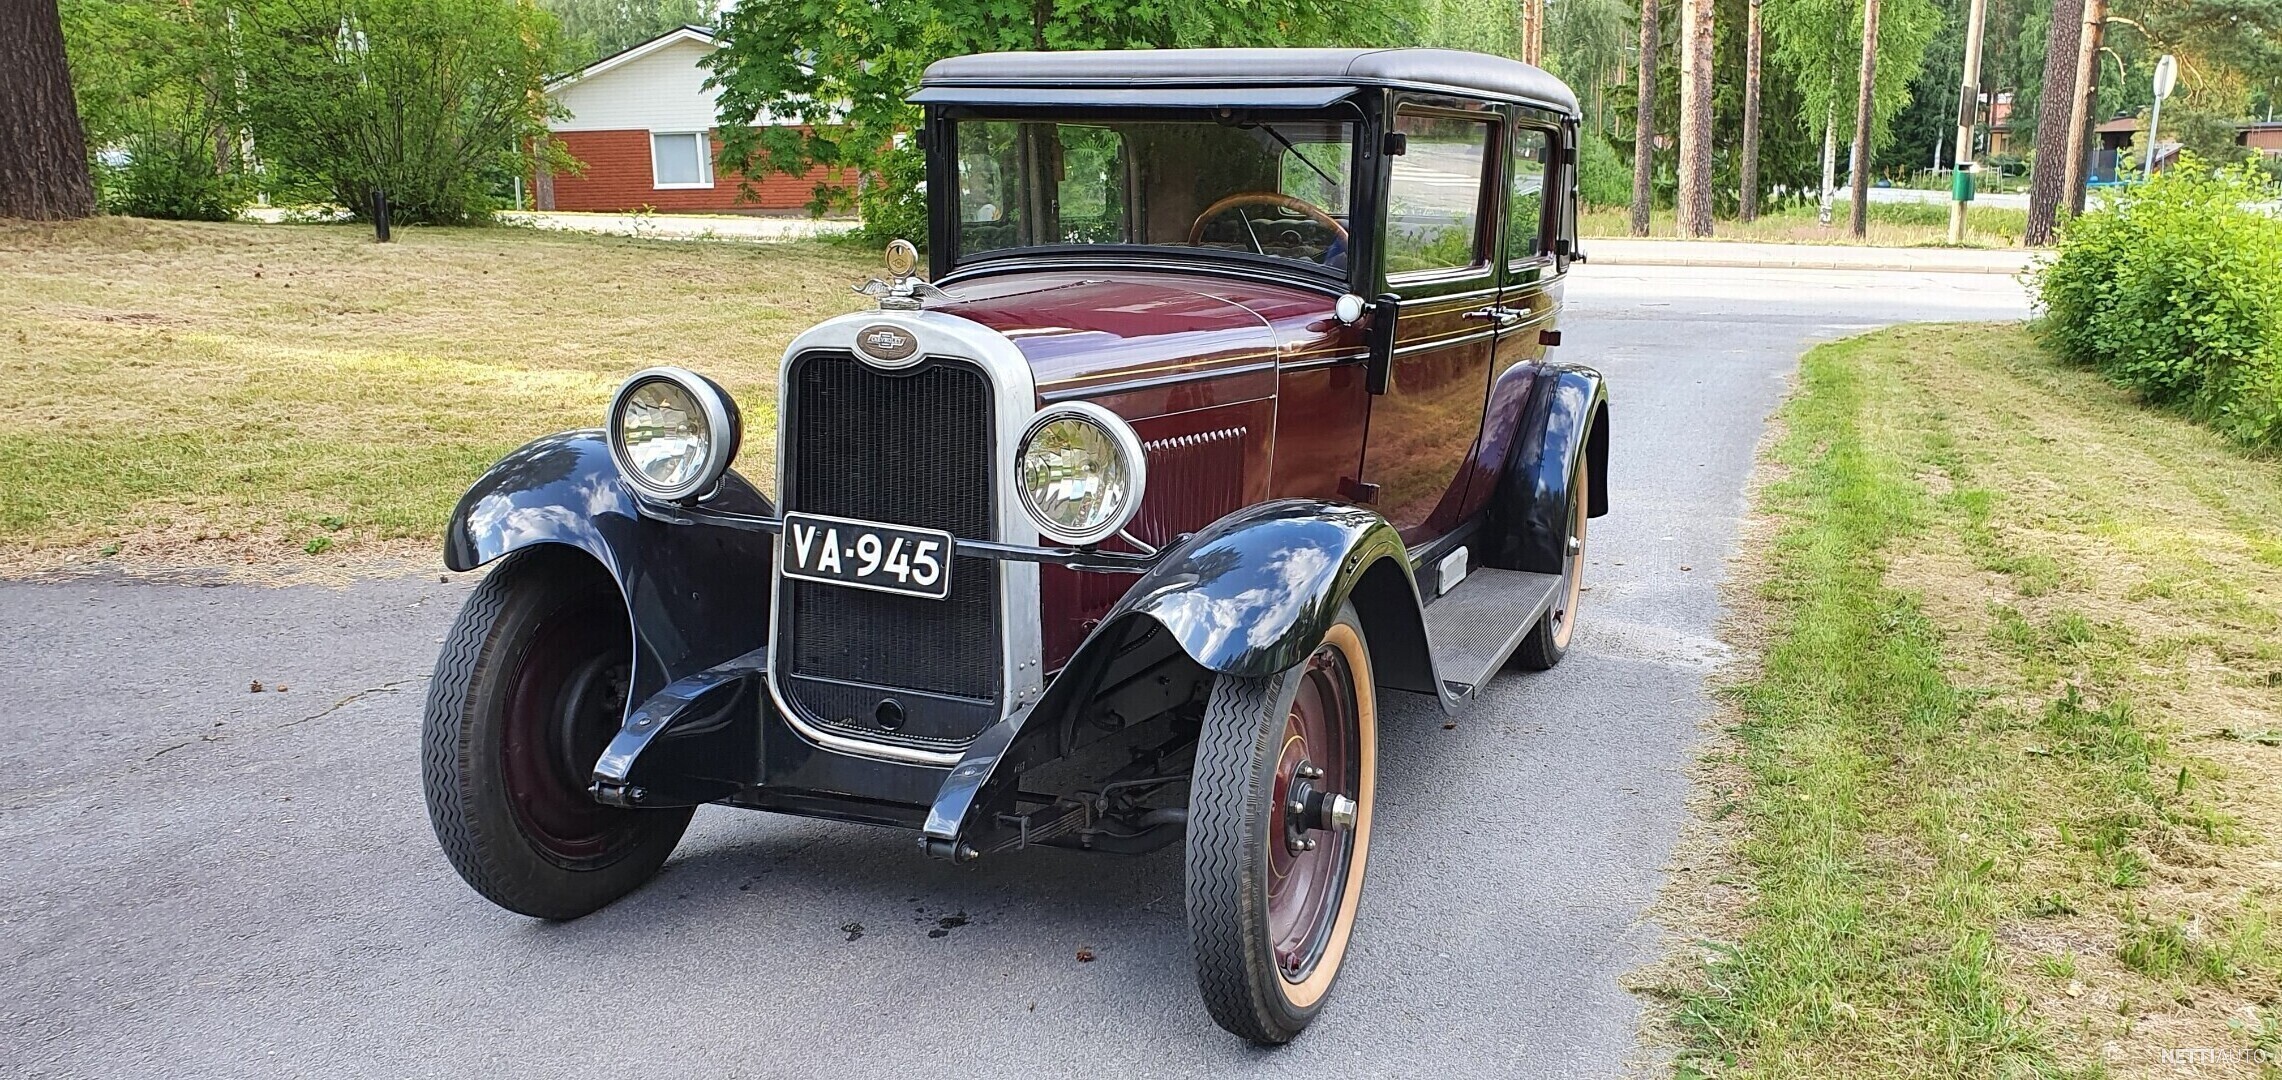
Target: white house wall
662	91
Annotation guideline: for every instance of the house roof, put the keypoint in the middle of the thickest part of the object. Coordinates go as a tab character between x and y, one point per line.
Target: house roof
634	52
1169	70
2121	123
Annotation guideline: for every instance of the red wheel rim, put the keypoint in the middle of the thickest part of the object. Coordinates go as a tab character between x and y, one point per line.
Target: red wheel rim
566	698
1307	885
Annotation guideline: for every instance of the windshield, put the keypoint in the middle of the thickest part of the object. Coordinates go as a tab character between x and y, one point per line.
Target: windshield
1262	186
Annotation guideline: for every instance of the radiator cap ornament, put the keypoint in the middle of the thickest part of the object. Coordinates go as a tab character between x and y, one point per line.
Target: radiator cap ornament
902	291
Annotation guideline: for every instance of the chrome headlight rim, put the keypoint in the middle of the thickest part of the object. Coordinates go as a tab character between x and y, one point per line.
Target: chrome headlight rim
724	427
1129	448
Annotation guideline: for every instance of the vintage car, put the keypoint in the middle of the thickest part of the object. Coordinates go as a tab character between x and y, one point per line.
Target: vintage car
1222	411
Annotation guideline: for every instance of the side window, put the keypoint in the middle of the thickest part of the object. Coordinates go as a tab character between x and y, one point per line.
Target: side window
1434	194
1091	191
1525	206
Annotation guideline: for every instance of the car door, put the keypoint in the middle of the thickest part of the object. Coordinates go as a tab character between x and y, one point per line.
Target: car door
1436	245
1530	274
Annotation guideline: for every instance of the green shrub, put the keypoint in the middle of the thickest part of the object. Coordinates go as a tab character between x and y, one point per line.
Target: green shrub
436	102
1603	178
2174	289
173	174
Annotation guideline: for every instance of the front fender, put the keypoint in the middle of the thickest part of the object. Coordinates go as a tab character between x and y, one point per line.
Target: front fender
1252	594
1563	434
696	595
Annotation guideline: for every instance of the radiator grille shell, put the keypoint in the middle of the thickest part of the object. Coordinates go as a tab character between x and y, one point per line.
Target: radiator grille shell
912	447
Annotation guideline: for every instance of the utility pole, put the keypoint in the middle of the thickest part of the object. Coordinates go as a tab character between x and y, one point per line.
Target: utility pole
2080	105
1751	115
1968	111
1867	98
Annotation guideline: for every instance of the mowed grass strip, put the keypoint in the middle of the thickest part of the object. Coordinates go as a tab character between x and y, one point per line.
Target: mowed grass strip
1890	225
2015	740
202	392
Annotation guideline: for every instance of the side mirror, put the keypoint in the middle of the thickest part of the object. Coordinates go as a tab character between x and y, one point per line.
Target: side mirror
1378	372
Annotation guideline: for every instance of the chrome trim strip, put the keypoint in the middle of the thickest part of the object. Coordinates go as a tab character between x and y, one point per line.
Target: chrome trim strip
1447	342
1055	393
1021	646
1335	360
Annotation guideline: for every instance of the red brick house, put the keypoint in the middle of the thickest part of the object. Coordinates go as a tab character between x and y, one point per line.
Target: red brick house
642	122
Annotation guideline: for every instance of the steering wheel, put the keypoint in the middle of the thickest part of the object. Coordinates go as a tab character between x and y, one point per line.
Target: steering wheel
1264	198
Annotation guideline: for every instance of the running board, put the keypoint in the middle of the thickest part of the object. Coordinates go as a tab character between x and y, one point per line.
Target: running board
1477	625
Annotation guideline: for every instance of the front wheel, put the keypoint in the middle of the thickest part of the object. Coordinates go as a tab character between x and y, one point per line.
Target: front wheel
1279	828
529	690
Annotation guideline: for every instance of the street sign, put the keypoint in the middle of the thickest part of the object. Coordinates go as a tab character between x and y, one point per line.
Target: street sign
2166	77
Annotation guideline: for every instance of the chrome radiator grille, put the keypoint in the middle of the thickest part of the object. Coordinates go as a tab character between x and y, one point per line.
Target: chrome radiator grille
910	447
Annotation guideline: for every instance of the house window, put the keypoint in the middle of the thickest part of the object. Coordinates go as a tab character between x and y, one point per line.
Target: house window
680	159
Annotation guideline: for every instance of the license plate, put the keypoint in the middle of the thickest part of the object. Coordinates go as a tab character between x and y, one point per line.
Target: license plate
868	555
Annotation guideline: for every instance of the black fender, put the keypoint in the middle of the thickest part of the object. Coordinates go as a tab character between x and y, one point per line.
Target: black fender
1563	432
1251	594
697	595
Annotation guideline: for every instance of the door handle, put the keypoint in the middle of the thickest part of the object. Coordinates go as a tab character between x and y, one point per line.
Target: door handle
1502	315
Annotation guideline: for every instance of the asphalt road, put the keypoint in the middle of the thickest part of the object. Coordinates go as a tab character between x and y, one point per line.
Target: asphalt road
196	880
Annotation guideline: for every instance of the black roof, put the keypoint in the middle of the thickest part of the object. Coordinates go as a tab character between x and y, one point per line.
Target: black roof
1181	72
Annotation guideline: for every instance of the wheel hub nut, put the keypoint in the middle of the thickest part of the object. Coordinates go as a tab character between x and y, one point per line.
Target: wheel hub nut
1339	812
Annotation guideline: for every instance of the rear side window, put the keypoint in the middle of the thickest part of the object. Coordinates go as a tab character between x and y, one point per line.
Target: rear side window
1525	206
1434	194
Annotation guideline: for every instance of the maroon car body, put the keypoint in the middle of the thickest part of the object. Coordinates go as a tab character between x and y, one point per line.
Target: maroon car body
1226	409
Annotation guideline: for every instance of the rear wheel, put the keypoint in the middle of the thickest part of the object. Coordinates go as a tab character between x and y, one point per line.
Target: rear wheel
529	690
1279	828
1548	641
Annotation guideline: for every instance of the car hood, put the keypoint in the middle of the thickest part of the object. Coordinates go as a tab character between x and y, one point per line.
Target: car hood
1090	330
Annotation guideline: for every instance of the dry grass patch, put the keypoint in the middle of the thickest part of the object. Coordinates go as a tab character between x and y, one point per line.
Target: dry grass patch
182	394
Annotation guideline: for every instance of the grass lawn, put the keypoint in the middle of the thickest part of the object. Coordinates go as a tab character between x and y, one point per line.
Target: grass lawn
2005	788
1891	225
183	393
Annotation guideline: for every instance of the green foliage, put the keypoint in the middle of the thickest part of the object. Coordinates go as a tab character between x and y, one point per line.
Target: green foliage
593	29
783	56
1603	178
173	174
1818	44
433	101
2174	289
160	111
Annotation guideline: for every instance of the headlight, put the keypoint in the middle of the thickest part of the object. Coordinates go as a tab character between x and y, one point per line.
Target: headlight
673	432
1081	473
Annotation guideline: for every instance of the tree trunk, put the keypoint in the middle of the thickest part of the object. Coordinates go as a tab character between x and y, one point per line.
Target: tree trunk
2083	101
1829	156
1859	218
43	151
1695	118
1644	124
2049	179
1751	116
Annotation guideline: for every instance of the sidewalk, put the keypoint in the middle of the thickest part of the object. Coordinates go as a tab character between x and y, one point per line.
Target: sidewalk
1626	251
